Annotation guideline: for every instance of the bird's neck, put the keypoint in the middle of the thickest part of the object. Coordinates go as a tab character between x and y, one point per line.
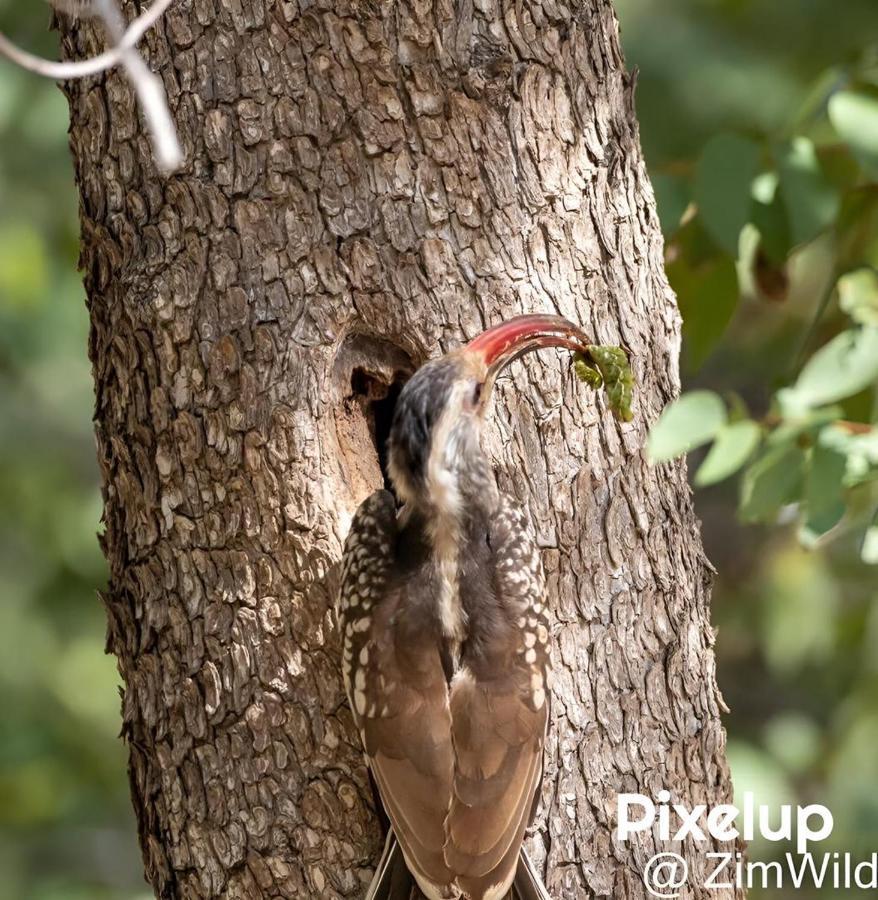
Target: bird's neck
457	514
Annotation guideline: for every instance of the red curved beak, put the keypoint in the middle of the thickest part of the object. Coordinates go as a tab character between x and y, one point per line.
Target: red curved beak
504	343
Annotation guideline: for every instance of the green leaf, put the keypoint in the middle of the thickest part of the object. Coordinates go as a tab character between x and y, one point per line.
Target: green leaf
774	480
707	297
685	424
771	221
859	448
801	428
824	492
732	448
814	105
858	295
811	202
671	199
727	167
841	368
737	406
855	117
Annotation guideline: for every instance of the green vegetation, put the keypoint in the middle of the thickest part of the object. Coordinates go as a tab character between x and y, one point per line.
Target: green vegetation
759	207
758	118
66	827
759	123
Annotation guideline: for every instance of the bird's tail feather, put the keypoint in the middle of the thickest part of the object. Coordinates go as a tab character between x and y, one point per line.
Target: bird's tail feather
392	879
527	884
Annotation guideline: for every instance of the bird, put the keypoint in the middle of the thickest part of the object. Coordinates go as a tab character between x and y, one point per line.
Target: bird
445	635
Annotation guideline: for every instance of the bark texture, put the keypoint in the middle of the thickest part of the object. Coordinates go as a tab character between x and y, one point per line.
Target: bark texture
368	183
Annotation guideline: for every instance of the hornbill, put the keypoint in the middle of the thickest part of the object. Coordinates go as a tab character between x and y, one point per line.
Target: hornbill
442	608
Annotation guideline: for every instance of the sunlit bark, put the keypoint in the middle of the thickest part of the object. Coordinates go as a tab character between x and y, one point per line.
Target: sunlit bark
366	185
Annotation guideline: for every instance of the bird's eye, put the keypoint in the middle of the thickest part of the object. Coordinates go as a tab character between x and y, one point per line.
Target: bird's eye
477	393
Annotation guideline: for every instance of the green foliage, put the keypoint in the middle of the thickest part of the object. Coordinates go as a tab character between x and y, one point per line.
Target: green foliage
858	296
723	176
855	117
794	599
811	202
870	546
824	501
841	368
733	445
767	204
797	629
672	197
772	481
810	458
691	421
707	294
23	265
797	623
66	826
740	213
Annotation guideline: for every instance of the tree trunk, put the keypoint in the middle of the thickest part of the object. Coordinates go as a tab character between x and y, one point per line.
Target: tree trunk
369	183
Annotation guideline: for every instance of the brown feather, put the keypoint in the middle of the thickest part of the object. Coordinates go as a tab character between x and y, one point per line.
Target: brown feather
457	765
498	730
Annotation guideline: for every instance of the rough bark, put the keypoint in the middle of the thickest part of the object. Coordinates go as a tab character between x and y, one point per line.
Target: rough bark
368	184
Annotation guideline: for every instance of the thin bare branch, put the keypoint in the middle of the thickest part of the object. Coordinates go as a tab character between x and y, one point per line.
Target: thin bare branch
65	71
149	89
148	86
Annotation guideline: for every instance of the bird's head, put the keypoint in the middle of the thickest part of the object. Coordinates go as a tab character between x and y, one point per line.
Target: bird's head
435	458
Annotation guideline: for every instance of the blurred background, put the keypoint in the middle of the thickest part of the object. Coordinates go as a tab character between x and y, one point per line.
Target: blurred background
66	826
797	628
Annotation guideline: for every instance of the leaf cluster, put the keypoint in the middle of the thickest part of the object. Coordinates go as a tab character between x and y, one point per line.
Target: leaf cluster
735	224
804	455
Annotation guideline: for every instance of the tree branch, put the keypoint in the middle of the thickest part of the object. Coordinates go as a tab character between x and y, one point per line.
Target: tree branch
150	90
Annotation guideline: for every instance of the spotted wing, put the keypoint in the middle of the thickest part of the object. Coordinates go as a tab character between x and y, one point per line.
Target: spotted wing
499	713
397	689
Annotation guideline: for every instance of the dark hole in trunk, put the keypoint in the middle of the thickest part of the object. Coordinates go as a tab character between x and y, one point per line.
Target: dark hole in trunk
379	401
